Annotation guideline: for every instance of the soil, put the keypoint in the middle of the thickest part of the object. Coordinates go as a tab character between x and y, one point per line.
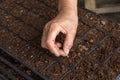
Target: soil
93	19
10	72
27	52
16	27
5	35
18	11
92	38
1	27
105	50
6	20
14	45
95	54
7	5
110	70
26	33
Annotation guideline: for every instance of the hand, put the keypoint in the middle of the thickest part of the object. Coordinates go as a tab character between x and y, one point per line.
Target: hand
65	23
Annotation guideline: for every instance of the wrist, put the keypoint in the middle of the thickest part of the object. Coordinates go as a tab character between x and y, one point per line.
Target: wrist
69	12
68	7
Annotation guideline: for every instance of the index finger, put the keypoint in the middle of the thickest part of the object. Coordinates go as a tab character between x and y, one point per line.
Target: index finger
51	44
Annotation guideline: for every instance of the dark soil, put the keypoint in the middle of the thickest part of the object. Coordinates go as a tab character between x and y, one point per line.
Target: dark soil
5	35
110	70
6	20
17	27
18	11
94	56
14	45
10	73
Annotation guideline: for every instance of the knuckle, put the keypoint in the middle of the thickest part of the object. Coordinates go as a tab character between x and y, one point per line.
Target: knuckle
48	42
53	24
73	32
42	45
69	45
46	25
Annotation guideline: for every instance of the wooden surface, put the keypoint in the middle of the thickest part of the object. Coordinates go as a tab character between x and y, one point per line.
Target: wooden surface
91	5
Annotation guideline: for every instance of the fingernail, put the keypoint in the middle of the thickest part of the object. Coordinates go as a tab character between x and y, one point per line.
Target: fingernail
66	52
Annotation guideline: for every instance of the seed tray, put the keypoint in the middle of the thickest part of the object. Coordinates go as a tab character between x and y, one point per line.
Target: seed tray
94	56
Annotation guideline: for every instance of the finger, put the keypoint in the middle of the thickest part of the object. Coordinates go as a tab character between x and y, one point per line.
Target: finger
59	52
43	41
53	32
58	44
53	49
44	36
68	43
62	53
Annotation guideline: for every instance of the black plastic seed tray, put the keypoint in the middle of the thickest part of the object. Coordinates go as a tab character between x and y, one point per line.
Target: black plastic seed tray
94	56
13	69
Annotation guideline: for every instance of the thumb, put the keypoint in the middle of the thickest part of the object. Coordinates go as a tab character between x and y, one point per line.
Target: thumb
68	43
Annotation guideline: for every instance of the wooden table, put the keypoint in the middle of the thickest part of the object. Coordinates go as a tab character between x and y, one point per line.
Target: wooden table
108	8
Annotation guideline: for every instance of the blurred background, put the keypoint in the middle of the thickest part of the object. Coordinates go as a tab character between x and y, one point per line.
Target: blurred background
115	16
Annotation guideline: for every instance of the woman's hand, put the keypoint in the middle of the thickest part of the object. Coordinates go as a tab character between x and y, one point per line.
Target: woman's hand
65	22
